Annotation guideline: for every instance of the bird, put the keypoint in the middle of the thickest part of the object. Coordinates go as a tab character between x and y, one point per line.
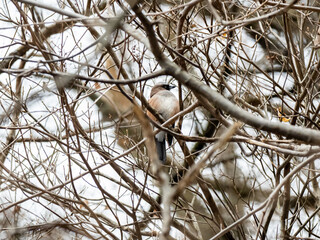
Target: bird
167	105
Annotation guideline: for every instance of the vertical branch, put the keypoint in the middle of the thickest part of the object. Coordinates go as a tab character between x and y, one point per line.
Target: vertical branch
17	106
156	166
286	204
180	60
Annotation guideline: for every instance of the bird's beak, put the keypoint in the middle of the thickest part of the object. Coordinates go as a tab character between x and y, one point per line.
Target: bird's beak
171	87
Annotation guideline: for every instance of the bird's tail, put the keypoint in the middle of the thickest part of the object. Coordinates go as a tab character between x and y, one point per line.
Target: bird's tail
161	149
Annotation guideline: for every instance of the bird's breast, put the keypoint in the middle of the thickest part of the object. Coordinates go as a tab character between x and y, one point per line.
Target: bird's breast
169	106
165	103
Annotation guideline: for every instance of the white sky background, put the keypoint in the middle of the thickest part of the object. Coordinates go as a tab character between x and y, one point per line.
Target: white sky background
43	156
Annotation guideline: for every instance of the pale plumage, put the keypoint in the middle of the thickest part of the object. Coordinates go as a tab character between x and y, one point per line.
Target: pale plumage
167	105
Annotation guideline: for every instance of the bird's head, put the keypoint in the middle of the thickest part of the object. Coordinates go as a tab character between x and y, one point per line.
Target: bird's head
161	86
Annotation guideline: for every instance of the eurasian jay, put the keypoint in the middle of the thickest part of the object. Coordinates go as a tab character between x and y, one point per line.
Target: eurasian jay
167	105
